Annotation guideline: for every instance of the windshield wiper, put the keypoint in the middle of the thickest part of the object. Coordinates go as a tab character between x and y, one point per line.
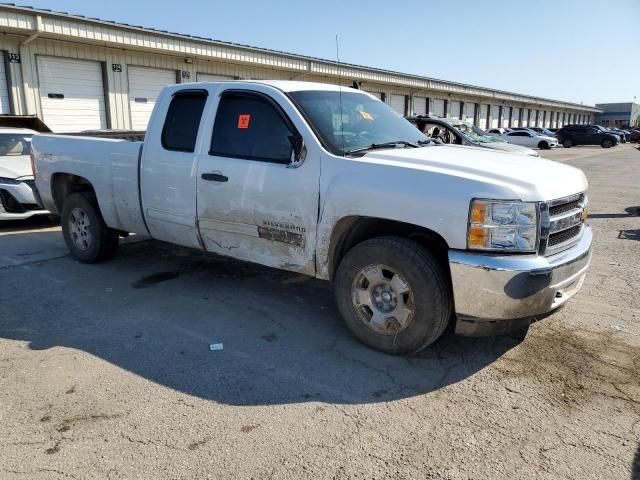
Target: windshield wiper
375	146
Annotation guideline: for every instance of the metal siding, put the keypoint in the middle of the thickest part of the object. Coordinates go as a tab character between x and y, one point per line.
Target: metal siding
210	77
5	106
80	82
145	85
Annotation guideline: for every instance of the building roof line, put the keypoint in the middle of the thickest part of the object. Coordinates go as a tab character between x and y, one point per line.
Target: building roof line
111	23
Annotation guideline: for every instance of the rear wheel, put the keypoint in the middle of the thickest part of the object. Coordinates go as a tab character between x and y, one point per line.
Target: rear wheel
606	143
543	145
567	143
87	236
393	295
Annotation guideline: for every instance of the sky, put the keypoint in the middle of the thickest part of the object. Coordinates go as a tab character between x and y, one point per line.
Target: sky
583	51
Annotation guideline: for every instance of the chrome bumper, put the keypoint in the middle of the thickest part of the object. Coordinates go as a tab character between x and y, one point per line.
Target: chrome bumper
490	288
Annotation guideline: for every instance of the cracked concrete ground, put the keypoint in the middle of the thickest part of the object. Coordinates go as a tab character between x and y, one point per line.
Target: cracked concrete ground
106	372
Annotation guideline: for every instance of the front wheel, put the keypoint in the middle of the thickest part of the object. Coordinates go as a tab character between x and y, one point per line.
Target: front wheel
543	145
606	143
393	295
87	236
567	143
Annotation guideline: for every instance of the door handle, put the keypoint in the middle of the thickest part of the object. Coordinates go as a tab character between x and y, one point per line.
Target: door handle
214	177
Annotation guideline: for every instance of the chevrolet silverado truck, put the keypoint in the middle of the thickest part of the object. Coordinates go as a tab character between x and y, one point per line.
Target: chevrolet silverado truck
330	182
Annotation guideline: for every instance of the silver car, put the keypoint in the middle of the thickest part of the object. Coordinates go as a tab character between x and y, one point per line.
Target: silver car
17	187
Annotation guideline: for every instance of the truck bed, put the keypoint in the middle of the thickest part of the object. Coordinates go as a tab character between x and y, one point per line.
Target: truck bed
110	165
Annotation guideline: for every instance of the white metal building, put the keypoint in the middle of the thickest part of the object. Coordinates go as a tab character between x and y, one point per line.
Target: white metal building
78	73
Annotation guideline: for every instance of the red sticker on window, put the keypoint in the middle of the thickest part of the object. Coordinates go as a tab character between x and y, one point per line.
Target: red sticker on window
243	121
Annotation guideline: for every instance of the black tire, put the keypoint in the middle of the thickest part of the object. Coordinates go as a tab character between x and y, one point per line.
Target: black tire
567	143
606	143
430	294
543	145
101	241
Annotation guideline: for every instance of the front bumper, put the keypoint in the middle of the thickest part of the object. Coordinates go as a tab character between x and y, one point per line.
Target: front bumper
18	202
495	292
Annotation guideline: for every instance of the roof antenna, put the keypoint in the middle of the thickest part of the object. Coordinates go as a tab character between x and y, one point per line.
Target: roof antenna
340	87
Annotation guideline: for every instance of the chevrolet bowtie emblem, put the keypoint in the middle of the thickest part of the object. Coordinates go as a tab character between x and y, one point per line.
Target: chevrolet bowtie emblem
583	217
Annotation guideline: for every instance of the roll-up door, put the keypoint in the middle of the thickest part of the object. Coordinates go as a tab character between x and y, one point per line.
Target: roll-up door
5	107
454	110
515	115
378	95
419	106
145	85
469	112
484	114
533	118
438	107
495	111
71	94
505	116
397	103
210	77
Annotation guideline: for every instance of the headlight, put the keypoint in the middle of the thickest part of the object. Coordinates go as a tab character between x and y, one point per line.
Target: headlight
10	181
503	225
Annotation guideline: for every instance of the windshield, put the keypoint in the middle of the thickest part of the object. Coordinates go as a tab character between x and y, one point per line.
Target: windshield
475	134
14	144
362	122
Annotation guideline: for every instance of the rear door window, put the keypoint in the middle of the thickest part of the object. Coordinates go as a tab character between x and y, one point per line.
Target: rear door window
183	120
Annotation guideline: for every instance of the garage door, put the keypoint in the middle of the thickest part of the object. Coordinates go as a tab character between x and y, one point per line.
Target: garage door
397	103
515	115
495	111
469	112
484	114
209	77
145	85
378	95
454	110
419	106
505	116
71	94
438	107
4	91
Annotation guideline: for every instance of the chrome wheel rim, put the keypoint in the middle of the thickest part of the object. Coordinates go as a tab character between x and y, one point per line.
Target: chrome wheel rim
383	299
79	228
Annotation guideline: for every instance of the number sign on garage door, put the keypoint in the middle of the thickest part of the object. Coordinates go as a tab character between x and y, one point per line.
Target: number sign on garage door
71	94
145	85
397	103
209	77
419	106
438	107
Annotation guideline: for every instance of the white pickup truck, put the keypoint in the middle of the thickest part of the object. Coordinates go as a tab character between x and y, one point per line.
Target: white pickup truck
329	182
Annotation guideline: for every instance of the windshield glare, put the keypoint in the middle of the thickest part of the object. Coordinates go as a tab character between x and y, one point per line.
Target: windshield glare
362	121
475	134
14	144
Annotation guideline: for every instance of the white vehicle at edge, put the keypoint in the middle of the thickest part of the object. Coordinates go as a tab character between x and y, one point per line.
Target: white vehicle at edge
330	182
530	138
17	199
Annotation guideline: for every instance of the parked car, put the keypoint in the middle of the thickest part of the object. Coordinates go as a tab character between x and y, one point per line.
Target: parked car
17	199
530	138
572	135
328	181
623	134
634	135
462	133
498	131
542	131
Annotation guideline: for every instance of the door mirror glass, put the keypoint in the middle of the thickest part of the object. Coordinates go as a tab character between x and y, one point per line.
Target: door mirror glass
298	150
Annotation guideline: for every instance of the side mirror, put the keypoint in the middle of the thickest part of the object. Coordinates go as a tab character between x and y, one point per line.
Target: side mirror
298	151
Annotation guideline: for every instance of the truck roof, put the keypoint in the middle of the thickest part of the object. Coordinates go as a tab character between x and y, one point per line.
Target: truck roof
284	85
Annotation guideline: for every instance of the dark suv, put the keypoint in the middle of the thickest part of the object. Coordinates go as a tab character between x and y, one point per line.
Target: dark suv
571	135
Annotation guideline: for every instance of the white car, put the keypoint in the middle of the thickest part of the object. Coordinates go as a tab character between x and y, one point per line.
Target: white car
328	181
17	197
530	138
497	132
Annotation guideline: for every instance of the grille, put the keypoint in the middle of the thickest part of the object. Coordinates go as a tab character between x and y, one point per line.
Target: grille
565	207
564	236
31	183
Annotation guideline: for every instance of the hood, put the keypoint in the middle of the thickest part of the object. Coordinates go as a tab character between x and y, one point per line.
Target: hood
15	166
529	179
509	147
